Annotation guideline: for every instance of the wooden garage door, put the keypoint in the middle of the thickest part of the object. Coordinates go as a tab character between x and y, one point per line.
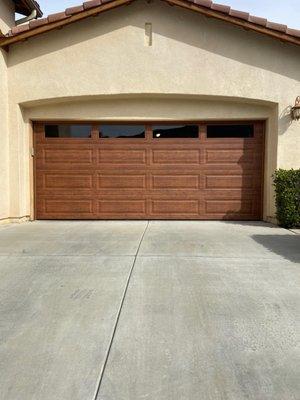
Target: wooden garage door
158	171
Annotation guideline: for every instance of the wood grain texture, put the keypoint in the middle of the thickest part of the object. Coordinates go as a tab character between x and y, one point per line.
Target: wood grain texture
149	178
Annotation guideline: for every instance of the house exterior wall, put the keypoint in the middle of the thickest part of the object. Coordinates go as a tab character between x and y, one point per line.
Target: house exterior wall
4	139
7	20
196	69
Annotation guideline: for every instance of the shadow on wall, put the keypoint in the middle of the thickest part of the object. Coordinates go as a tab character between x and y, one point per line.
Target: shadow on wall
285	119
287	246
195	30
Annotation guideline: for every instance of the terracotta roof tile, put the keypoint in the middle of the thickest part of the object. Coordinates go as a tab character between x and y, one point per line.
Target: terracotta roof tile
221	8
90	4
239	14
293	32
258	20
56	17
277	27
204	3
74	10
19	28
216	7
38	22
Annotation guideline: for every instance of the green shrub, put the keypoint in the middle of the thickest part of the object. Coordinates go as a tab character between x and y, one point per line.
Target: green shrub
287	189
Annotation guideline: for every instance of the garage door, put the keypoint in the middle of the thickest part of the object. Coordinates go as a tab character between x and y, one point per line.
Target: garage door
142	171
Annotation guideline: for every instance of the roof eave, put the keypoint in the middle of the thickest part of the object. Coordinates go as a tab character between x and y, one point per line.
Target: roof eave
6	41
59	20
284	37
25	7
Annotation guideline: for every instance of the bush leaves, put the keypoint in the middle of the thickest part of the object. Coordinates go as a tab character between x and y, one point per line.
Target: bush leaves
287	189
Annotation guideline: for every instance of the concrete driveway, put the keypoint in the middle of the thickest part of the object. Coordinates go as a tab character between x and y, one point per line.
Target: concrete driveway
110	310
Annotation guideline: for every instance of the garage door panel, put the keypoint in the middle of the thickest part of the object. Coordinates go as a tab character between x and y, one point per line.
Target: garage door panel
66	207
67	181
228	207
177	182
68	156
66	167
242	193
122	156
231	144
122	206
121	181
227	182
174	194
176	156
172	207
229	156
223	170
64	159
230	217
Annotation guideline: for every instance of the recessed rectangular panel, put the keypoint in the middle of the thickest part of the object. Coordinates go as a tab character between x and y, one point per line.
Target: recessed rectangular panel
119	156
108	181
229	181
174	207
114	206
59	156
175	182
228	206
239	156
68	206
68	181
191	156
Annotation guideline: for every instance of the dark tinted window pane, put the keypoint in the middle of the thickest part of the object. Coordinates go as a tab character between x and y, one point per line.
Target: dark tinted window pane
175	131
230	131
122	131
68	131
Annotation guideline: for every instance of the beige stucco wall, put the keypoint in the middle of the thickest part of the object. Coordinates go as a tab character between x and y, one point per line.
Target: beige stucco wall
197	68
4	139
7	13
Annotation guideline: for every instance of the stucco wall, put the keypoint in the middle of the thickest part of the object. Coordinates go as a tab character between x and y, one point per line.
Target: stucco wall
7	20
4	139
76	72
7	15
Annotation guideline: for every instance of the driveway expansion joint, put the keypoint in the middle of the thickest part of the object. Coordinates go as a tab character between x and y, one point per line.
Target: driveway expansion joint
118	315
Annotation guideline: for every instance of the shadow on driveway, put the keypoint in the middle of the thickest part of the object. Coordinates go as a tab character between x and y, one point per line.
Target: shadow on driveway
287	246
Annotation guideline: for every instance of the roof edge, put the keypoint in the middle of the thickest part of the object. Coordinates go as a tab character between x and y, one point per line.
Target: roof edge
204	7
241	19
56	21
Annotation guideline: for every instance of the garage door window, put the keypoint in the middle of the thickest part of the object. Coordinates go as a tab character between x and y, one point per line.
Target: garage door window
122	131
175	131
229	131
67	131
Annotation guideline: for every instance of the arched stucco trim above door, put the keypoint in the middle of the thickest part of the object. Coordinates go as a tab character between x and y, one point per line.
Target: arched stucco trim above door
162	108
